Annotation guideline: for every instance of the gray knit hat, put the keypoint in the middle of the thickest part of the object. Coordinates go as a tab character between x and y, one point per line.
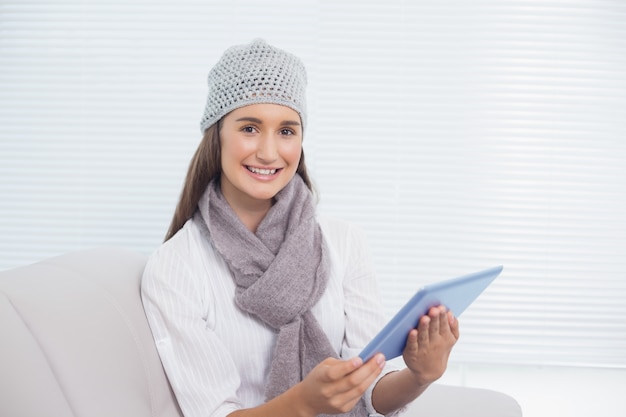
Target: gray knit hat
251	74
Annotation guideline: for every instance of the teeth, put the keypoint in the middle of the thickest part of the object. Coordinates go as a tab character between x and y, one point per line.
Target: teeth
262	171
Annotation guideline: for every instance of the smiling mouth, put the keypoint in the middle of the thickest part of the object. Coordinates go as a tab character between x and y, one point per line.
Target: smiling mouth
262	171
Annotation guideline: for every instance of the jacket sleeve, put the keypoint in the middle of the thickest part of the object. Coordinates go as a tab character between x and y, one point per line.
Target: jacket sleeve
364	315
200	369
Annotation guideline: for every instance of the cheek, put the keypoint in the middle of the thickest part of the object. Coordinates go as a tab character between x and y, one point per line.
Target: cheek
233	150
293	152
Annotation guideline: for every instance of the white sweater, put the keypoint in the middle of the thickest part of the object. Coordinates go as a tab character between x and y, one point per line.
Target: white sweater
216	356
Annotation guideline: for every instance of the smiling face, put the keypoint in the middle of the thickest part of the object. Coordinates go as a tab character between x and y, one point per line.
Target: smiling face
261	146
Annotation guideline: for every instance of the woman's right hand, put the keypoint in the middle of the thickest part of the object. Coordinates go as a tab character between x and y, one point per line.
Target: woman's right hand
335	386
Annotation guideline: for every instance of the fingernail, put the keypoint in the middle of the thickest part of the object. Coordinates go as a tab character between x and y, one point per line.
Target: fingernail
380	360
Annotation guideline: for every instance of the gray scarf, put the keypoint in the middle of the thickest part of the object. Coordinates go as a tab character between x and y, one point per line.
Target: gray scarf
280	272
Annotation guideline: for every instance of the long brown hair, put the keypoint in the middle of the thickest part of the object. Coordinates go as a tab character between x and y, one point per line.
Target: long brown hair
205	166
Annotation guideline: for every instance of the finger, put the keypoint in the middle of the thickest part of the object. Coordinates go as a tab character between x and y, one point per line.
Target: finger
358	382
444	325
434	314
422	331
366	372
454	325
451	318
434	311
411	341
375	363
376	366
338	369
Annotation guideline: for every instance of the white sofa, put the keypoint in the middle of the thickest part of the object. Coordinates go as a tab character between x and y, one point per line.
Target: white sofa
75	343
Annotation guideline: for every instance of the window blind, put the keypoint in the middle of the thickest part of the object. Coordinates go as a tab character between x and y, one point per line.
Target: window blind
459	135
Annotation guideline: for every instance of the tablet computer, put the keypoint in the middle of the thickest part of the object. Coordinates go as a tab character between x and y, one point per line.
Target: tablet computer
456	294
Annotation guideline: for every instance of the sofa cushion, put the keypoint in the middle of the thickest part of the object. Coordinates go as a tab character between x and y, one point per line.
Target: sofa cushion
447	400
76	341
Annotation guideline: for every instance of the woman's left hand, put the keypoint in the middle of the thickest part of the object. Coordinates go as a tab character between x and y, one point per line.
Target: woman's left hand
428	347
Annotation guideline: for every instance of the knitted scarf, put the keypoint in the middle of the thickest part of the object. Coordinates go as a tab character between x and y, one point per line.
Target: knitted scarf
280	273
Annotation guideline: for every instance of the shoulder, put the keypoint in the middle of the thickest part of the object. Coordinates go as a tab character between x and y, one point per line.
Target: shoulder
345	239
182	243
340	231
179	254
335	225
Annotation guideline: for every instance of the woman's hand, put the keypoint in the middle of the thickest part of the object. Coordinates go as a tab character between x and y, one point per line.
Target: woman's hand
428	347
426	356
336	386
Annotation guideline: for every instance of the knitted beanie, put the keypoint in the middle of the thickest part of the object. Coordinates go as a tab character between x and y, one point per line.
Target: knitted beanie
251	74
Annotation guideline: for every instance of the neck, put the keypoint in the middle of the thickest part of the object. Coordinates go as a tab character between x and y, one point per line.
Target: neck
251	217
250	211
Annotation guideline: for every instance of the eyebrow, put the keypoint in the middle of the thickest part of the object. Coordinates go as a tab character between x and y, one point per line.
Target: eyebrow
259	121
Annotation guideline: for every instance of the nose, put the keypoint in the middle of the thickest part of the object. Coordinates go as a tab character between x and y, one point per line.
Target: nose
267	150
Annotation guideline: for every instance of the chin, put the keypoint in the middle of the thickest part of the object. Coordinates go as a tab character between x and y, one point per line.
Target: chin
260	195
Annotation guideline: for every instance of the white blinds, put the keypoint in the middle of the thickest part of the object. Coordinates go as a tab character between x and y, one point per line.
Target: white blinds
460	135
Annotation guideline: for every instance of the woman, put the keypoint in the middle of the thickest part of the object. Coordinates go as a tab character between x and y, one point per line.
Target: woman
257	306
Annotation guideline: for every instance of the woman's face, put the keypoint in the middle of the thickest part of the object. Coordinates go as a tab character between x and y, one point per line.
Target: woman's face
261	146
